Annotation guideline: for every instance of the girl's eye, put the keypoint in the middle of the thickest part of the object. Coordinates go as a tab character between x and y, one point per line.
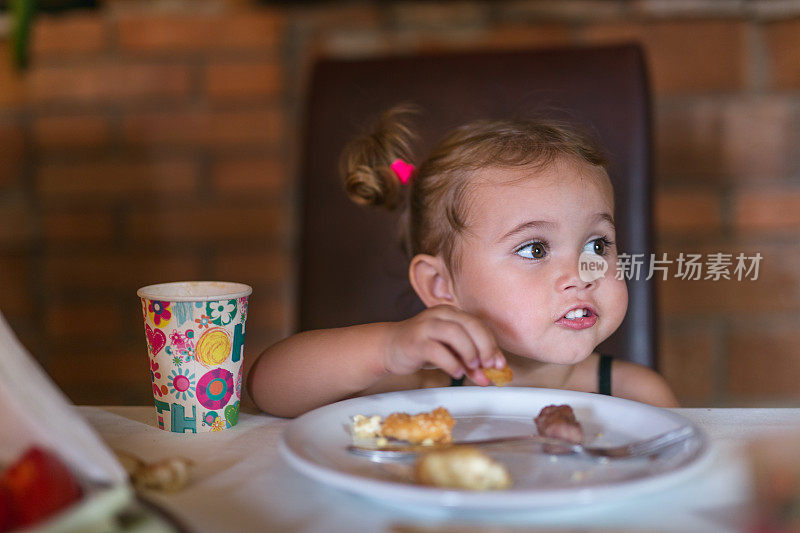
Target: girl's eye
597	246
533	250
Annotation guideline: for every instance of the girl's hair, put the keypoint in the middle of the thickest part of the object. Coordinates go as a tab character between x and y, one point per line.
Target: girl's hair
439	189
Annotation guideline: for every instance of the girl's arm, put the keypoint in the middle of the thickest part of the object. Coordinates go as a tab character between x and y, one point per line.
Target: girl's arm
636	382
318	367
315	368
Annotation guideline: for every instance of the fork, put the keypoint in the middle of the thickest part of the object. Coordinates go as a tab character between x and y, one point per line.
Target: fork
640	448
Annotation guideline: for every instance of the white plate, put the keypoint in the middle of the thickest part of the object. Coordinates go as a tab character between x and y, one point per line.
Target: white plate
315	445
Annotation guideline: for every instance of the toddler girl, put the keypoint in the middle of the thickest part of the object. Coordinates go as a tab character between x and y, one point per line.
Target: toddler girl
496	220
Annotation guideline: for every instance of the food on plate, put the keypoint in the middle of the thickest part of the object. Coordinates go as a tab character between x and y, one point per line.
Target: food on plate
558	421
499	376
367	427
422	428
35	487
461	467
168	475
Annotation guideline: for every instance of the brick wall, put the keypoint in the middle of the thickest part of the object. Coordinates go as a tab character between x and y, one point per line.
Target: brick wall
156	141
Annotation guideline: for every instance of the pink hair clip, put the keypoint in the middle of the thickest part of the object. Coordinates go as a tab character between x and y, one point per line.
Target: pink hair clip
402	170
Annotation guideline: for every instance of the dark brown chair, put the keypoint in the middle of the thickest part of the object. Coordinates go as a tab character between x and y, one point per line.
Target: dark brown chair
352	269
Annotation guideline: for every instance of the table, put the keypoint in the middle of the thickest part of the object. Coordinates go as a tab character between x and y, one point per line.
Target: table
242	484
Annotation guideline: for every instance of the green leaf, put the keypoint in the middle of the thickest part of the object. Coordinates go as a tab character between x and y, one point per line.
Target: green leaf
22	13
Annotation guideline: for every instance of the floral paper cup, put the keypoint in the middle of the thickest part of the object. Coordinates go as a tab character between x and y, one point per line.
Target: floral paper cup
195	344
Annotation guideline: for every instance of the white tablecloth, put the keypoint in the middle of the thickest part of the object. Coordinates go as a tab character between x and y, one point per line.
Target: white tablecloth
242	484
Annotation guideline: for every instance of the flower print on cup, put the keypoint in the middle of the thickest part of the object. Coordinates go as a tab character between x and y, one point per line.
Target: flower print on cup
209	418
203	322
243	307
222	312
182	347
154	375
159	313
181	384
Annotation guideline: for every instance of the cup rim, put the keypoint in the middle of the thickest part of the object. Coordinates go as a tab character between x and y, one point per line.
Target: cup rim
230	290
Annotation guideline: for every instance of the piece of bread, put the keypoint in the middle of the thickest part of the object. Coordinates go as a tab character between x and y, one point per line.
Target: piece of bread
422	428
461	467
499	376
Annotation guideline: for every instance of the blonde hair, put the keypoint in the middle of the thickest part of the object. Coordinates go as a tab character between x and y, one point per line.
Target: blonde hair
438	199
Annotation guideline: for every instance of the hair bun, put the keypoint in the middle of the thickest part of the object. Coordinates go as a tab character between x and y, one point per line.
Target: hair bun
370	186
366	161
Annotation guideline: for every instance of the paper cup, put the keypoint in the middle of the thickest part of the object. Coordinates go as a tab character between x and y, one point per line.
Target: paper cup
195	344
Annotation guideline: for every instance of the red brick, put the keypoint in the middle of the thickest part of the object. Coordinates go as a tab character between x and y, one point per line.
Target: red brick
767	210
15	283
106	82
253	268
744	140
243	79
91	367
12	152
97	271
782	39
191	32
72	33
78	320
118	177
686	362
479	39
356	43
688	211
763	363
211	129
17	223
439	16
273	314
12	86
776	289
251	175
341	16
676	61
572	11
72	131
692	8
74	227
208	224
529	36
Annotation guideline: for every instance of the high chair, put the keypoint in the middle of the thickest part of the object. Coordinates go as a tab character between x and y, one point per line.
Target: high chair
352	267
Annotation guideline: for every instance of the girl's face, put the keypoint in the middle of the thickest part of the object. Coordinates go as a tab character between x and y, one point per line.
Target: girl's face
518	260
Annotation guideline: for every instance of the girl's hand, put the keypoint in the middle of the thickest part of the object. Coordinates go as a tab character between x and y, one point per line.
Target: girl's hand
447	338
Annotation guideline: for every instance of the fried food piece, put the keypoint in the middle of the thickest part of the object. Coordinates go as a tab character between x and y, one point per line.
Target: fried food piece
461	467
558	421
436	426
366	427
168	475
499	376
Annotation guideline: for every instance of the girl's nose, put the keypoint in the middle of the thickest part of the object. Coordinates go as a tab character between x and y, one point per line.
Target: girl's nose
570	277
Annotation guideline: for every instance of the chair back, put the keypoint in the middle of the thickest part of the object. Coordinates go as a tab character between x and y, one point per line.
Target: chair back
352	267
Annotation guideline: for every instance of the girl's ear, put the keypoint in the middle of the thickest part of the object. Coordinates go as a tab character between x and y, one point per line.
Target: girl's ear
431	280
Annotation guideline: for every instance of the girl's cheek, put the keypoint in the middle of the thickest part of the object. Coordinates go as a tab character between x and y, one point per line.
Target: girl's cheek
617	299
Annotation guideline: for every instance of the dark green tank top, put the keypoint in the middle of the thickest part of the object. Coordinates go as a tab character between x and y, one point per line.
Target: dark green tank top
603	376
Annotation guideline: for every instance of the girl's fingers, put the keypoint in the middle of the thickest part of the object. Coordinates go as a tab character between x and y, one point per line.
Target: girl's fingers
455	336
482	338
478	377
441	356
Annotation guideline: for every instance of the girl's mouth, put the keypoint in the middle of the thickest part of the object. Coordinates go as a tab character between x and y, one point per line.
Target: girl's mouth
578	318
